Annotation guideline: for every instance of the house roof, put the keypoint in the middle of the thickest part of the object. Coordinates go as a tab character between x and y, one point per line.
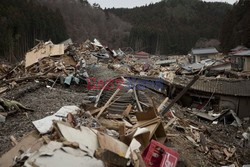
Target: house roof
142	53
243	53
202	51
238	48
223	86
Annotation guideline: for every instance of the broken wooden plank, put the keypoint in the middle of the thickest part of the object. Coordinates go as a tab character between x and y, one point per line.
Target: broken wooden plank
13	140
137	100
196	77
162	104
170	122
3	89
107	103
111	124
127	110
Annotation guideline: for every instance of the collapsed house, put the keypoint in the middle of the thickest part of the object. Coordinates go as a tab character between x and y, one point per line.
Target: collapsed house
215	94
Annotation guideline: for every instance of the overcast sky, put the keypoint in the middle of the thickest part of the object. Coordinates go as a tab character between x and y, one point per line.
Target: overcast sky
134	3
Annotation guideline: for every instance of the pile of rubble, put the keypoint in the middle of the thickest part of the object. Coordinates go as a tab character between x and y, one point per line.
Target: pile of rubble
63	62
96	136
129	121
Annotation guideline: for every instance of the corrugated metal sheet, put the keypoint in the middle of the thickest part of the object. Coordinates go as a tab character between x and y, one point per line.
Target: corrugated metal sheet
232	87
202	51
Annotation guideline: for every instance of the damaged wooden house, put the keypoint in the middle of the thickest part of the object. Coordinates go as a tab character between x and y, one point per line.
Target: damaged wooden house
240	61
214	94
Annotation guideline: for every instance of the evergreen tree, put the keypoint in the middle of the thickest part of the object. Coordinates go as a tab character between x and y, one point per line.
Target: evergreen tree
173	26
236	26
21	22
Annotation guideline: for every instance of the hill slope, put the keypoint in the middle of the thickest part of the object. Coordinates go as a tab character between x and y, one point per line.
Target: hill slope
236	26
21	22
86	22
173	26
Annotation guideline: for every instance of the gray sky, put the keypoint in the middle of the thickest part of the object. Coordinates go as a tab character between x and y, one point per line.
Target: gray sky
134	3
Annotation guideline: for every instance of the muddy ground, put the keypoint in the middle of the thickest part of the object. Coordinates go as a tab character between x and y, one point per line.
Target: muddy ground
42	100
220	134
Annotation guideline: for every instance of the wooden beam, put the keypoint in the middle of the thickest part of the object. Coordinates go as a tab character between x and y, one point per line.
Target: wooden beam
162	104
137	100
107	103
196	77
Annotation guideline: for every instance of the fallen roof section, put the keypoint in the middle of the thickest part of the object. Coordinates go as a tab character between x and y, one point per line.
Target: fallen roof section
234	87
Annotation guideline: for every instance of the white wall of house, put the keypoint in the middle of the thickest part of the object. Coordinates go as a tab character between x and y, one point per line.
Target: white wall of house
246	64
199	58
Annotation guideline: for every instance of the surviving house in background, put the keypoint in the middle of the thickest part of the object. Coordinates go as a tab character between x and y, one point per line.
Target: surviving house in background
240	61
204	53
237	49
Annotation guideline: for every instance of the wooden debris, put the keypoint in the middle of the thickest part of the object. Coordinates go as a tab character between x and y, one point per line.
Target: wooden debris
3	89
127	110
46	139
71	120
229	152
170	123
112	144
13	140
71	144
137	99
107	103
192	141
159	109
173	135
137	159
110	158
111	124
153	123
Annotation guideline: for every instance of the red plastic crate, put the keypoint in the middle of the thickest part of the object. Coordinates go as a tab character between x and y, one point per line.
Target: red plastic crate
158	155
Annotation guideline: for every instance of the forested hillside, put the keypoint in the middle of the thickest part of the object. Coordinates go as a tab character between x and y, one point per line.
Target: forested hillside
84	21
173	26
167	27
23	21
236	27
